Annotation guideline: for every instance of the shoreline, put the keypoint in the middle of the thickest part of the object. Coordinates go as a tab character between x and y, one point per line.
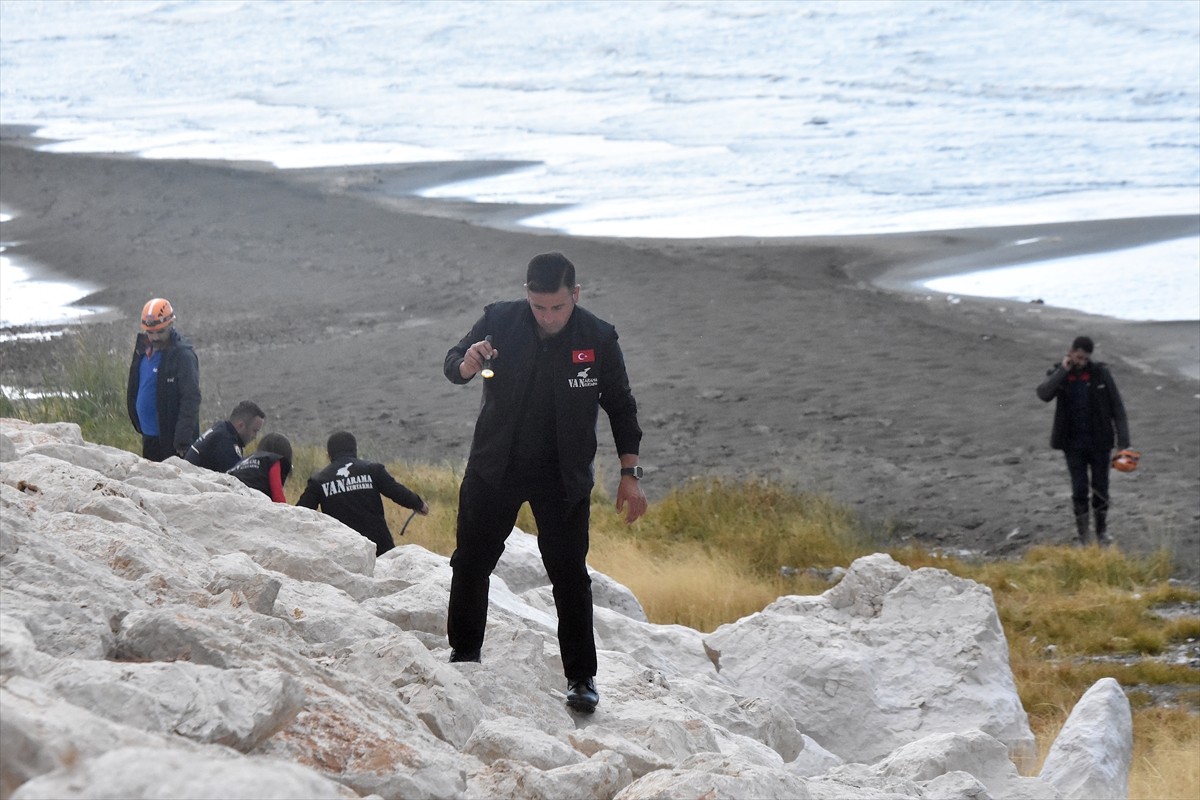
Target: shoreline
1169	347
332	304
1163	346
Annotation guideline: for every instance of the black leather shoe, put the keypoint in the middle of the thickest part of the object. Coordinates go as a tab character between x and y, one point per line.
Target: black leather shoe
457	657
582	695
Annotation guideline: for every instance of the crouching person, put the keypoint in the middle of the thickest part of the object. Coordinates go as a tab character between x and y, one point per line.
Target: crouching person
351	489
268	467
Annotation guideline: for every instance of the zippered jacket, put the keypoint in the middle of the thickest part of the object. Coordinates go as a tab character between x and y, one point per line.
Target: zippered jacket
591	375
1105	407
178	401
218	449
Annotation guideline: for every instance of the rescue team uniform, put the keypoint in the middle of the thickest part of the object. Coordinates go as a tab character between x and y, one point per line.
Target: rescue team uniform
163	396
535	441
266	472
218	449
351	489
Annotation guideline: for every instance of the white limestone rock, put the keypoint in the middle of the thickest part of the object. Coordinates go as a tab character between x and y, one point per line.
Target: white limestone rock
712	775
674	649
162	606
515	739
972	753
912	655
234	707
43	733
8	450
594	739
146	773
598	778
521	569
1090	758
436	692
812	760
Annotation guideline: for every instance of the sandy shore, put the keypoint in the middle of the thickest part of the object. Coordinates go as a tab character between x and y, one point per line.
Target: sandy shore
330	297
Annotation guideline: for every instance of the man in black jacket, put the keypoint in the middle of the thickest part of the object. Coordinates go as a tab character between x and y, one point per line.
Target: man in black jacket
220	447
1088	415
163	393
552	366
350	490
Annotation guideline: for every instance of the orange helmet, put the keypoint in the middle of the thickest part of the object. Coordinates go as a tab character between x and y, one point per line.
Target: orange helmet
157	315
1126	460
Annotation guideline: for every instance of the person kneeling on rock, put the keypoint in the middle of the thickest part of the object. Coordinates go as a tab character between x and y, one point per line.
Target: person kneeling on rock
351	489
268	467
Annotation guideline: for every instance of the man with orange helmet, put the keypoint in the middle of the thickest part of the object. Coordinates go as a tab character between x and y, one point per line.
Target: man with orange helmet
163	393
1088	415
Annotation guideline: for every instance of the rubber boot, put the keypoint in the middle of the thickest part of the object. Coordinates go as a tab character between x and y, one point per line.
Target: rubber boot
1102	527
1081	525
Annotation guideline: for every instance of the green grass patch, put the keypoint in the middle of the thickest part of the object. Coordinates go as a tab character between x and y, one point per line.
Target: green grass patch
88	388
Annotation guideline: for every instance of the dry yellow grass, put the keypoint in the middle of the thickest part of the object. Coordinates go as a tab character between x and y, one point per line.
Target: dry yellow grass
1166	755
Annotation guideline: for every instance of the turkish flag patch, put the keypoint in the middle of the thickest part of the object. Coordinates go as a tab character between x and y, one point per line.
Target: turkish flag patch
583	356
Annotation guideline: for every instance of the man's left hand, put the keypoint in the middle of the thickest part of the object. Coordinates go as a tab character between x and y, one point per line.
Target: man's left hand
631	500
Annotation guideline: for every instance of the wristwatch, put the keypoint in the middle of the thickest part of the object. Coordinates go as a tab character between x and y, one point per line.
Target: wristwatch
636	472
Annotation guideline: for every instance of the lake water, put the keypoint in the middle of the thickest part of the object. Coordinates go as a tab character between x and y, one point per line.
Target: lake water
675	119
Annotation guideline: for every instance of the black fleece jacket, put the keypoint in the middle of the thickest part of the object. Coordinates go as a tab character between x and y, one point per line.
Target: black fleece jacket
590	375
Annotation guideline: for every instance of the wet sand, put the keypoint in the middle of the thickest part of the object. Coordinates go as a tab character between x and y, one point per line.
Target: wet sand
330	297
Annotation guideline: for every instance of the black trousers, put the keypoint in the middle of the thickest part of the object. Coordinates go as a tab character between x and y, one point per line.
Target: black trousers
486	515
1079	464
154	450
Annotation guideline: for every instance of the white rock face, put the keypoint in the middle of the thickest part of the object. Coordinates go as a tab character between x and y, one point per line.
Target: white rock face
912	652
166	632
1091	756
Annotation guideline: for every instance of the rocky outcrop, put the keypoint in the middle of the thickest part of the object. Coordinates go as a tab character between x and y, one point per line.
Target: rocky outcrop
1090	758
166	632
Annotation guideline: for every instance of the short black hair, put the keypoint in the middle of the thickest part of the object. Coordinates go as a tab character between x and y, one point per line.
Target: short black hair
549	272
246	411
342	443
275	443
1083	343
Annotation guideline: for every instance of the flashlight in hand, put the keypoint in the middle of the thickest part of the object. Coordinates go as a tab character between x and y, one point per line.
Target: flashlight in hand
487	370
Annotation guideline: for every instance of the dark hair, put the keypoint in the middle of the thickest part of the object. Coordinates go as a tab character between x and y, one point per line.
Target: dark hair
549	272
246	411
342	443
276	443
1083	343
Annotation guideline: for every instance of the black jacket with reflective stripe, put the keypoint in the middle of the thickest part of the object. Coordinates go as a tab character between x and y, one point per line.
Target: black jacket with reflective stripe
218	449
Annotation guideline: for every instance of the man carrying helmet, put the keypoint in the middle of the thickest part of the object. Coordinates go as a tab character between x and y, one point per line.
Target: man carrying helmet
163	394
1088	415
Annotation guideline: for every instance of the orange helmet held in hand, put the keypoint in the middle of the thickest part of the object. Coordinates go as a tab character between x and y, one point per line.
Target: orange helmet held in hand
1126	460
157	315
